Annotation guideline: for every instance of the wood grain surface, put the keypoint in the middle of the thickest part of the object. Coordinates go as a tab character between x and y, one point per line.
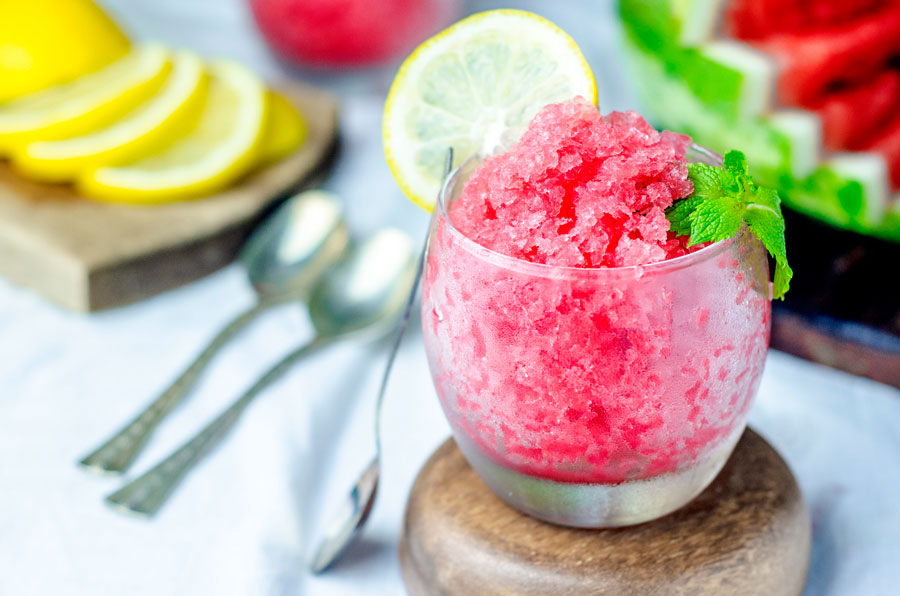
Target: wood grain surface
747	534
86	255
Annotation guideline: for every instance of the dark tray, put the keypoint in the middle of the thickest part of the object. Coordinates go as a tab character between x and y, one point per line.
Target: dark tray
843	309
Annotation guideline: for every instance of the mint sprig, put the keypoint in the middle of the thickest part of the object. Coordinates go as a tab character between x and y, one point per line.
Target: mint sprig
724	199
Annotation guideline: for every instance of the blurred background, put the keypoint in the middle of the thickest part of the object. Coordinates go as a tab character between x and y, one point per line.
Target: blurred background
809	90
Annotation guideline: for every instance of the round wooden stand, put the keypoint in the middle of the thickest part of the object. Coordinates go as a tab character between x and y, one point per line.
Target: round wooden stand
747	534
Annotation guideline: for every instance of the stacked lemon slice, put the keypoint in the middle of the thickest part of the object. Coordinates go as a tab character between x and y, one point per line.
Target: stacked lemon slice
152	126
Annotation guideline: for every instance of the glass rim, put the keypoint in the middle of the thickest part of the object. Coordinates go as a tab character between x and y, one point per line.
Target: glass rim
545	270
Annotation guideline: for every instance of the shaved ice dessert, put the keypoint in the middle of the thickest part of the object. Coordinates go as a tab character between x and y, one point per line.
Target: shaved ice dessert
597	371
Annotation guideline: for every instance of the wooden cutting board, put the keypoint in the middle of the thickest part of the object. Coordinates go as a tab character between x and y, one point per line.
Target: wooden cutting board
747	534
86	255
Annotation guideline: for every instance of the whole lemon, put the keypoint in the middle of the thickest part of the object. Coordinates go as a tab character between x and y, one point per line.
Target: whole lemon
46	42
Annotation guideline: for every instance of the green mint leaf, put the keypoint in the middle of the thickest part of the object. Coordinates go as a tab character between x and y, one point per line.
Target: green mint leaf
736	163
765	197
679	215
715	219
763	216
707	180
735	178
768	225
783	275
726	198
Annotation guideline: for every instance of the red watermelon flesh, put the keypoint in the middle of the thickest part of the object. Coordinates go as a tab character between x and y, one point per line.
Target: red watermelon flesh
888	144
837	11
810	64
851	117
756	19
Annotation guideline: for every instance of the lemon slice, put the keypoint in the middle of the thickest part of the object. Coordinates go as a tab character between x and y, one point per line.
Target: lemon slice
144	130
474	87
223	144
86	103
285	129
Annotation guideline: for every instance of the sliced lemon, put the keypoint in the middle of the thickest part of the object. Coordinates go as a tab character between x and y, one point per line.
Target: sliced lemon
474	87
285	129
223	144
48	42
146	129
86	103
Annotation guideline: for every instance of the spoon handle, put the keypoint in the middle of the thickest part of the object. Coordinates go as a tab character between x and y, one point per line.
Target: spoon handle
145	495
116	454
348	523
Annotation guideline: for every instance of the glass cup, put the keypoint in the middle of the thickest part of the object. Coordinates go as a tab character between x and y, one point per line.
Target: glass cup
344	34
594	397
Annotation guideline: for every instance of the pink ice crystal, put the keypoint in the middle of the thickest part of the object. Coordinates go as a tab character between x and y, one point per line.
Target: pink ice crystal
579	189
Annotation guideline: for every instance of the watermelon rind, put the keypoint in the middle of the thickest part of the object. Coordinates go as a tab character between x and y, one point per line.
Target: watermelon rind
871	172
802	131
757	84
697	19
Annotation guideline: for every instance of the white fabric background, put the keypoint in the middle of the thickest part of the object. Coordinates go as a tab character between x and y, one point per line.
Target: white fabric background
243	523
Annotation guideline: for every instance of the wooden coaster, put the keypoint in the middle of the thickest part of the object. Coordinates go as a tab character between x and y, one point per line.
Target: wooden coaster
747	534
86	255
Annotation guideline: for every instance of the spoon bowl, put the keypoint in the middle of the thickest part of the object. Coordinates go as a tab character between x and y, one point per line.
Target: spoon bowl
288	252
367	290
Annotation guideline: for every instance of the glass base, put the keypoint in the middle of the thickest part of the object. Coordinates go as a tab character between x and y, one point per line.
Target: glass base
583	505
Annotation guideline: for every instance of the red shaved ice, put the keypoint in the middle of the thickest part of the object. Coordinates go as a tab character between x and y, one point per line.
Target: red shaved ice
579	190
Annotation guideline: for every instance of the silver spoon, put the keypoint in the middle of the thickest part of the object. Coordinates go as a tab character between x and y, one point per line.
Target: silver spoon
354	513
283	257
364	292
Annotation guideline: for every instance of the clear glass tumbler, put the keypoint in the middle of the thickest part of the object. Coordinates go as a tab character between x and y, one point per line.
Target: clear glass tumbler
594	397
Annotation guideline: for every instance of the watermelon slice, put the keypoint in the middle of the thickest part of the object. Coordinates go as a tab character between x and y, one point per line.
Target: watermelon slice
854	116
756	19
809	89
812	63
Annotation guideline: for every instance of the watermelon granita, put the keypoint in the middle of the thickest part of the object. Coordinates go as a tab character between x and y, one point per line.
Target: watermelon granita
595	369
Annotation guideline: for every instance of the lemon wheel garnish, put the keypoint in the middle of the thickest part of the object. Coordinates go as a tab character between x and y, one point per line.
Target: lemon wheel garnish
148	128
222	145
86	103
474	87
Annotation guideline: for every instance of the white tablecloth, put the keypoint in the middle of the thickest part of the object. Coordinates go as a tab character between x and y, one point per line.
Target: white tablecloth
245	521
